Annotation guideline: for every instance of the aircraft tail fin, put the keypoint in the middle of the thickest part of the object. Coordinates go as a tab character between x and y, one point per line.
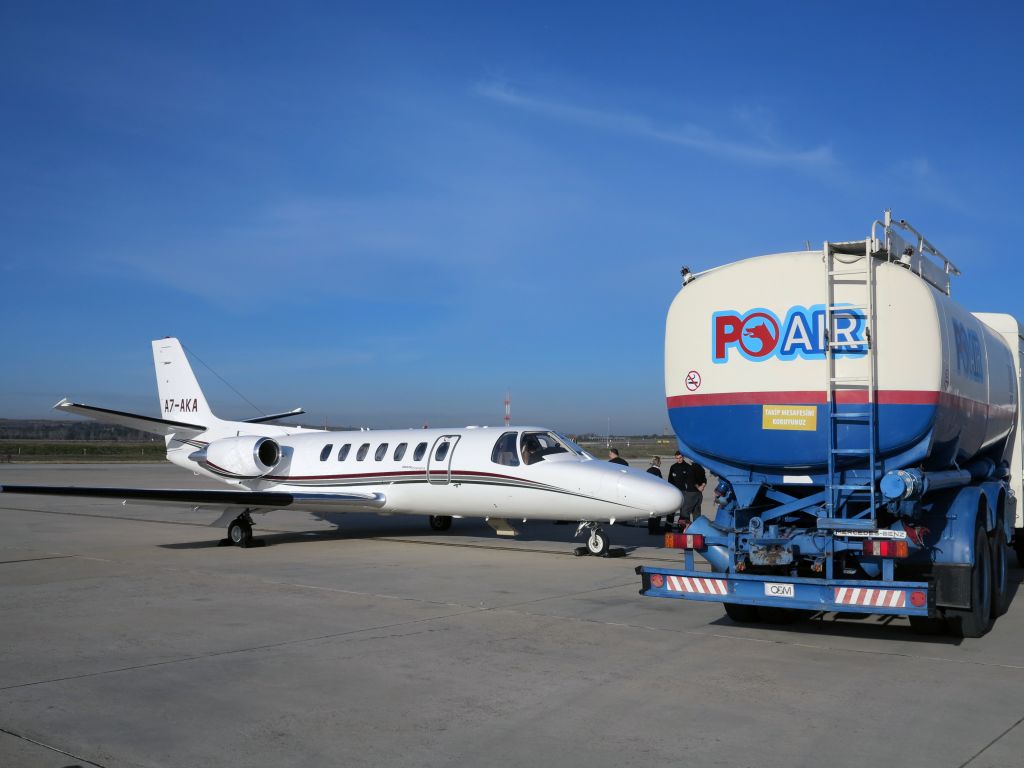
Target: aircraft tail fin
181	398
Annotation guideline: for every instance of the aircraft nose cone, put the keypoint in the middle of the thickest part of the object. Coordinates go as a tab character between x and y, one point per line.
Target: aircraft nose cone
648	493
665	499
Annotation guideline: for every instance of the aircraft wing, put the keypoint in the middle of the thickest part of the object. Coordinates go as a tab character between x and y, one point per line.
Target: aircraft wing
134	420
262	500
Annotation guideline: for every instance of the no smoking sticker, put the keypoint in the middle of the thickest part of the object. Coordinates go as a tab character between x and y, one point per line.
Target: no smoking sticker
693	381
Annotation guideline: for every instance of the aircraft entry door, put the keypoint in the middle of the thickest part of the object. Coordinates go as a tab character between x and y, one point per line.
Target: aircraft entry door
439	462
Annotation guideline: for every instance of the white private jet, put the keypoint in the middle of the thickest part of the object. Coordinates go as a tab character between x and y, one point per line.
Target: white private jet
515	473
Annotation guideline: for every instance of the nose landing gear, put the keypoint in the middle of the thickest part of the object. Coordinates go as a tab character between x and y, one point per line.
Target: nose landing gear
597	542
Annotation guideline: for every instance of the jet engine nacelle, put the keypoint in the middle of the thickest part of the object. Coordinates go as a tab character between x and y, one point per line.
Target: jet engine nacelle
242	456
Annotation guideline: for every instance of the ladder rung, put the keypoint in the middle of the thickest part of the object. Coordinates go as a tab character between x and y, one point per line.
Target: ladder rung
851	451
848	272
847	344
837	309
851	415
839	379
863	488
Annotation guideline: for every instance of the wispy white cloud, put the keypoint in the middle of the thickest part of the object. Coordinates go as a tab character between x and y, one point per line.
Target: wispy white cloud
930	185
759	151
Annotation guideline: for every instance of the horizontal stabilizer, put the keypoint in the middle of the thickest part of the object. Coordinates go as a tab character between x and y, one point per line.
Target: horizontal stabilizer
274	416
267	500
134	420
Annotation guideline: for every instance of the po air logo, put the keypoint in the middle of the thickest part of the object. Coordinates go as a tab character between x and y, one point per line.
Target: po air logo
758	334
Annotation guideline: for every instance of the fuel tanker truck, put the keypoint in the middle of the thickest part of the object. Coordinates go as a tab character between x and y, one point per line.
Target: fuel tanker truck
865	430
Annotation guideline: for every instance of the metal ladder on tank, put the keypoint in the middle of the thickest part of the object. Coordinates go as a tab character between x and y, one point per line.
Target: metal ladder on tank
857	273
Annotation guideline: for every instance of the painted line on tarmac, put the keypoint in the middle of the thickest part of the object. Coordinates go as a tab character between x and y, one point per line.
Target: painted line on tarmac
51	748
984	749
36	559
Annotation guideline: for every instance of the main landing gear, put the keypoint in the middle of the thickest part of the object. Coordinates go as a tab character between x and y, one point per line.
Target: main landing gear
240	532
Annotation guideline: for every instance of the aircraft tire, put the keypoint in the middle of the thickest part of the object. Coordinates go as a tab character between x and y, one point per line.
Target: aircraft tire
240	533
598	543
440	522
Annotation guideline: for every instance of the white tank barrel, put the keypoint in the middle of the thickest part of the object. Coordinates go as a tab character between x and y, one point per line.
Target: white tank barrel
748	384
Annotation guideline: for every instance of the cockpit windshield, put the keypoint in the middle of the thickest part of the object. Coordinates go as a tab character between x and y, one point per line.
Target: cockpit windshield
538	446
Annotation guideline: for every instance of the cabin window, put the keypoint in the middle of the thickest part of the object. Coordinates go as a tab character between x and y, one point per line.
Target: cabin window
400	451
421	449
363	450
326	451
343	453
442	451
505	450
382	451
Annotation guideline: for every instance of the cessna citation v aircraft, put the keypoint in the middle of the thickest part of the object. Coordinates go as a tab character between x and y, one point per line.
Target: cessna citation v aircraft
498	474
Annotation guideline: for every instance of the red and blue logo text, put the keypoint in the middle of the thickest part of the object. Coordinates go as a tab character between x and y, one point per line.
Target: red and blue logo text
759	334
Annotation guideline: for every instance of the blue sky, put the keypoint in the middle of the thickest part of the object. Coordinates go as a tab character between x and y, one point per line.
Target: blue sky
389	214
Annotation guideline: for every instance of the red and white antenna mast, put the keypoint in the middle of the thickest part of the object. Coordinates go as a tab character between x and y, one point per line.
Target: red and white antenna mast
508	408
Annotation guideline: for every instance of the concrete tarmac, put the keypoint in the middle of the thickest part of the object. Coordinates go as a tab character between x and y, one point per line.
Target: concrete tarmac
128	638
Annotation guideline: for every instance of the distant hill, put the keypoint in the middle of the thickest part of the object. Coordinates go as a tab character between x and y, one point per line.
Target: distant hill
53	429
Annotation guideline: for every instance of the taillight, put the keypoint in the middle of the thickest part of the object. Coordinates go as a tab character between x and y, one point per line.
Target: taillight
918	598
886	548
684	541
657	580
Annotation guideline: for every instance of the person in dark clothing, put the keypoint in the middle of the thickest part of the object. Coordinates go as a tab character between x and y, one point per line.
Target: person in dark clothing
614	458
690	479
654	523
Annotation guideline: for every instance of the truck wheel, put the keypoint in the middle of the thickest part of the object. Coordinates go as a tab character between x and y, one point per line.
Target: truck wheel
926	625
771	614
1018	546
976	621
1000	574
742	614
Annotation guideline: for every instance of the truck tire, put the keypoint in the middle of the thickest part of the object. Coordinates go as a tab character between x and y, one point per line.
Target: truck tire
1000	574
742	614
926	625
978	620
771	614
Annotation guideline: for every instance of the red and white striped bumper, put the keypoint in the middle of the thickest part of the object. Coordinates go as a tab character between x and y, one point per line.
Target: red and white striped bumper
696	585
876	598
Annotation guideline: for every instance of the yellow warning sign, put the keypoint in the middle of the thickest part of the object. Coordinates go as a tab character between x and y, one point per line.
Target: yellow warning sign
802	417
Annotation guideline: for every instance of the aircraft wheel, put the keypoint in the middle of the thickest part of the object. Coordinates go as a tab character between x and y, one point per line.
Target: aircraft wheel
240	533
742	614
1000	574
597	544
976	621
440	522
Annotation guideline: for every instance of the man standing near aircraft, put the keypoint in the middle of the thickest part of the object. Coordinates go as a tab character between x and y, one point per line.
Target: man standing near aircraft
614	458
690	479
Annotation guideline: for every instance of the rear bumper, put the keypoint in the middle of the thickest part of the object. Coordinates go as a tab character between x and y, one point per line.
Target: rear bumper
901	598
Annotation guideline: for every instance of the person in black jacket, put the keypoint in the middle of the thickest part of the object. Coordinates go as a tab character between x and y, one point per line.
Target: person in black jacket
690	479
614	458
